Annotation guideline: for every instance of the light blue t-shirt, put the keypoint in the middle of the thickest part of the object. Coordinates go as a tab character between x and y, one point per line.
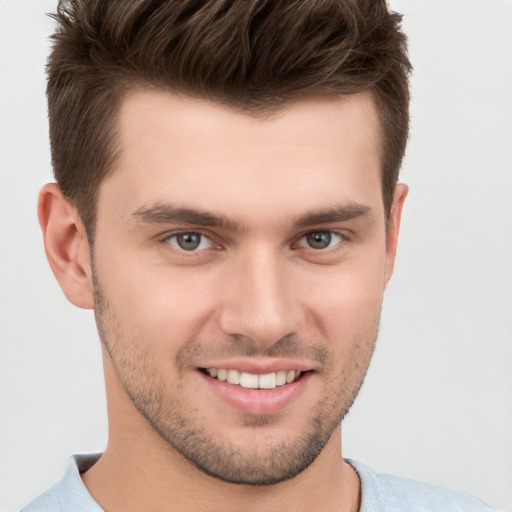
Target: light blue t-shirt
379	493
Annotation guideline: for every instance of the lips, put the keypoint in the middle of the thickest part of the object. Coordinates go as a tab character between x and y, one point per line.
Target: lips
254	380
257	390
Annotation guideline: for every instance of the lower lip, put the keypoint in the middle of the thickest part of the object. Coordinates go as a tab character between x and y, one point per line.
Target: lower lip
258	401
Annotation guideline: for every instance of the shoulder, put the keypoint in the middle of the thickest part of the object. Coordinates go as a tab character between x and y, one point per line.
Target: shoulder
387	493
69	493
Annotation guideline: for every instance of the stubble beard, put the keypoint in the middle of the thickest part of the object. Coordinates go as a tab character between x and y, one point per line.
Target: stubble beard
264	462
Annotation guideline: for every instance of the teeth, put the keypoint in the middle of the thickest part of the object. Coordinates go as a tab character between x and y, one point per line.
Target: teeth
248	380
252	380
233	376
280	378
268	381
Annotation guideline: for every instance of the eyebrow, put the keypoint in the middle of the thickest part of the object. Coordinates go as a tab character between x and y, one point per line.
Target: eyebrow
336	214
168	214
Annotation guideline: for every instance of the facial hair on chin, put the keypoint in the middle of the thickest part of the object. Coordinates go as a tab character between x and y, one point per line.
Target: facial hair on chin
264	462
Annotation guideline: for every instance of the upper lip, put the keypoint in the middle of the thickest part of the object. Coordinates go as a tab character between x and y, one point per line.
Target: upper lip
260	366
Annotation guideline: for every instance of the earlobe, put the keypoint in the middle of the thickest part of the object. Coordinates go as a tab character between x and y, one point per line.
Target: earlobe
66	245
393	230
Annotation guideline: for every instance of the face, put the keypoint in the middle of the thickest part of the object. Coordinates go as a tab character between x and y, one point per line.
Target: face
239	267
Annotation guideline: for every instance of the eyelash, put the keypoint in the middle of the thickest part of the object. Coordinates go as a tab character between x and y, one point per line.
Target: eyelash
332	234
167	239
343	238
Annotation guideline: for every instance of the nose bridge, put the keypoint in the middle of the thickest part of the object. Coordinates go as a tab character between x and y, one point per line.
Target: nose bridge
259	300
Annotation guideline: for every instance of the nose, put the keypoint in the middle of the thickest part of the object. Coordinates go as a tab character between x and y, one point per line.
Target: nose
259	299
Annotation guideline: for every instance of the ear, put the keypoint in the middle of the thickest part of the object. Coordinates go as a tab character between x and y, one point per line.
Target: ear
66	245
395	216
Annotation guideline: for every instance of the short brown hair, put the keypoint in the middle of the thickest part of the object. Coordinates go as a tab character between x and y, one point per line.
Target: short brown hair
255	55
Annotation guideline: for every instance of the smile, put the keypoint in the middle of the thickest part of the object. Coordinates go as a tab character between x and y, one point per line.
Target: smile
253	380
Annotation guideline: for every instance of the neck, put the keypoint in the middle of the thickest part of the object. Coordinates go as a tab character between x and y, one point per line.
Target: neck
161	480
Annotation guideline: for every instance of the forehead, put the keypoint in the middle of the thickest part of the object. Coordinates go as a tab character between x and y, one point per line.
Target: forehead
185	150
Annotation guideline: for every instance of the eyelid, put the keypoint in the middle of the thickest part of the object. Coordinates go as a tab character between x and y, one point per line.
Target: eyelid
342	234
171	234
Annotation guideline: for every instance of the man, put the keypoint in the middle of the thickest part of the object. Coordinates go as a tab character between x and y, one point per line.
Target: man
227	203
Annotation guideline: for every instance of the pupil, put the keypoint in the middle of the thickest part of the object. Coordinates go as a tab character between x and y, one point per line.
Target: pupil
189	241
319	240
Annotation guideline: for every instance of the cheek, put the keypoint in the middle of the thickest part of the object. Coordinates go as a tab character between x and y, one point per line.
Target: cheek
162	306
170	306
348	299
349	322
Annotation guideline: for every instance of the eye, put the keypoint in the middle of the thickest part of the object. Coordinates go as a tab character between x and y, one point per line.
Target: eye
320	240
189	241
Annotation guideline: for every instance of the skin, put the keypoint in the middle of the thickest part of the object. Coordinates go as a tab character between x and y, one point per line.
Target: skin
254	294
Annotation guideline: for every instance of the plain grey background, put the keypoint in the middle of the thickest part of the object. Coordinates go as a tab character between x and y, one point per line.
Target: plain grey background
437	404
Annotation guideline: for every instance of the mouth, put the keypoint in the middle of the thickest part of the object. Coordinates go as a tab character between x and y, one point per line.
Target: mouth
254	389
254	380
